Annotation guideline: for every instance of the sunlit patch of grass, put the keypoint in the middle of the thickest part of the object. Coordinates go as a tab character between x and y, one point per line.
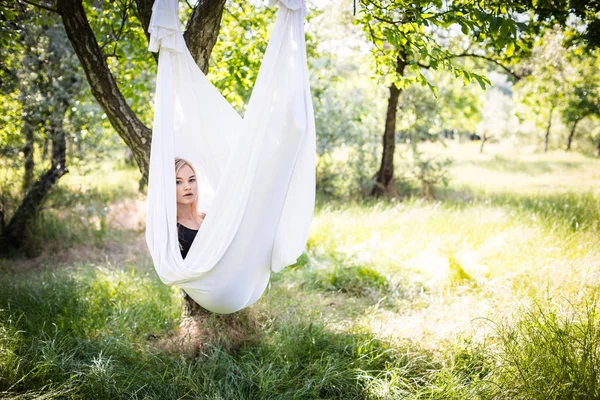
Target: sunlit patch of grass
474	258
524	174
102	183
10	343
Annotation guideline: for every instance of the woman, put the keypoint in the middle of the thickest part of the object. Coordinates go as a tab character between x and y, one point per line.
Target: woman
189	218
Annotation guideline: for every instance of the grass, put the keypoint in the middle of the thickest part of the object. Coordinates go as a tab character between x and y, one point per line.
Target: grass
488	292
95	343
545	346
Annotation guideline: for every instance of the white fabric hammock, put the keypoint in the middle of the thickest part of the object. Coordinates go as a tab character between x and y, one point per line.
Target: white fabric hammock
261	169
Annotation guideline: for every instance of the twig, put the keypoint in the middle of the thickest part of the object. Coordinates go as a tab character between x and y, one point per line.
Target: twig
489	59
31	3
117	35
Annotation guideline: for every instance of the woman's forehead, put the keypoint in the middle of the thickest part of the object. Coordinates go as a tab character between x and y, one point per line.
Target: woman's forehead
185	172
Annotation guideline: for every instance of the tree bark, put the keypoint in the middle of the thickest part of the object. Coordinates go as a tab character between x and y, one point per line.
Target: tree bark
384	181
547	136
14	236
29	164
571	135
202	30
144	13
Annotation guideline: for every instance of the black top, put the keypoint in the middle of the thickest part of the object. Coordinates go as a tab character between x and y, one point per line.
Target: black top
186	237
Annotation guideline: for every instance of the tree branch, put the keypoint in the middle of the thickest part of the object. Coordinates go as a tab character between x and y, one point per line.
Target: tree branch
117	35
104	87
31	3
515	75
144	13
202	30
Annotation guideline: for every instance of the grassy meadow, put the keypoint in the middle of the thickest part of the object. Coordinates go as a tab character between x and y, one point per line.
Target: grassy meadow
489	291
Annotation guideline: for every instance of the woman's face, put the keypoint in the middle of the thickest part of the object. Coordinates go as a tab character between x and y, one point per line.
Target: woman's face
187	187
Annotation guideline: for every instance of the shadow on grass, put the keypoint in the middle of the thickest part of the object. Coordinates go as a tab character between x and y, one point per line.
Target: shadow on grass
82	334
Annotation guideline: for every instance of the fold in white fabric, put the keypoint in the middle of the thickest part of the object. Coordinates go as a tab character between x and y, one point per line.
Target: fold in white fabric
261	168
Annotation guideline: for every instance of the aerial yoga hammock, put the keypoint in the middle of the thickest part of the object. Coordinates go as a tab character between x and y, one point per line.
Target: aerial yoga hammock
260	168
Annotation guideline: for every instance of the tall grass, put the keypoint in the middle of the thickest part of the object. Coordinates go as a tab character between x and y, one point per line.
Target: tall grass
85	333
548	354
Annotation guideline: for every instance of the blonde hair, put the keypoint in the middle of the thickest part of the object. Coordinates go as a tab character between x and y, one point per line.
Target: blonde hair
179	164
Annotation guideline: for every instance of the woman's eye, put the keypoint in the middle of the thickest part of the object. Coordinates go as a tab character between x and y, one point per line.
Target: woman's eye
178	182
192	180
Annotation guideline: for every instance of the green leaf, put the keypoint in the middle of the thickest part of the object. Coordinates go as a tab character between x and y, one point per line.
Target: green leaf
433	89
464	28
510	49
504	28
483	81
495	25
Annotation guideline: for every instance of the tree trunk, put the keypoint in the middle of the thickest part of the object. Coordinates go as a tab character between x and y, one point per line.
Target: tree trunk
29	164
571	135
14	236
45	148
547	136
384	181
2	223
483	140
202	30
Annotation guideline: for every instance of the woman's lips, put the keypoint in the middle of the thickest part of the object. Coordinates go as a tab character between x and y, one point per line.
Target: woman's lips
188	195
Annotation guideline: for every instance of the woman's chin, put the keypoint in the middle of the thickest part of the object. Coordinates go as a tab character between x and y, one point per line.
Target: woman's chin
186	200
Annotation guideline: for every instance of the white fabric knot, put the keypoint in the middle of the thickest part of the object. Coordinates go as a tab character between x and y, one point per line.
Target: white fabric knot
166	39
164	28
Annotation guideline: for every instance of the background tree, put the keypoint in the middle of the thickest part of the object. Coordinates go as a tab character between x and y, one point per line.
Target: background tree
237	55
408	36
582	92
497	111
46	82
543	91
